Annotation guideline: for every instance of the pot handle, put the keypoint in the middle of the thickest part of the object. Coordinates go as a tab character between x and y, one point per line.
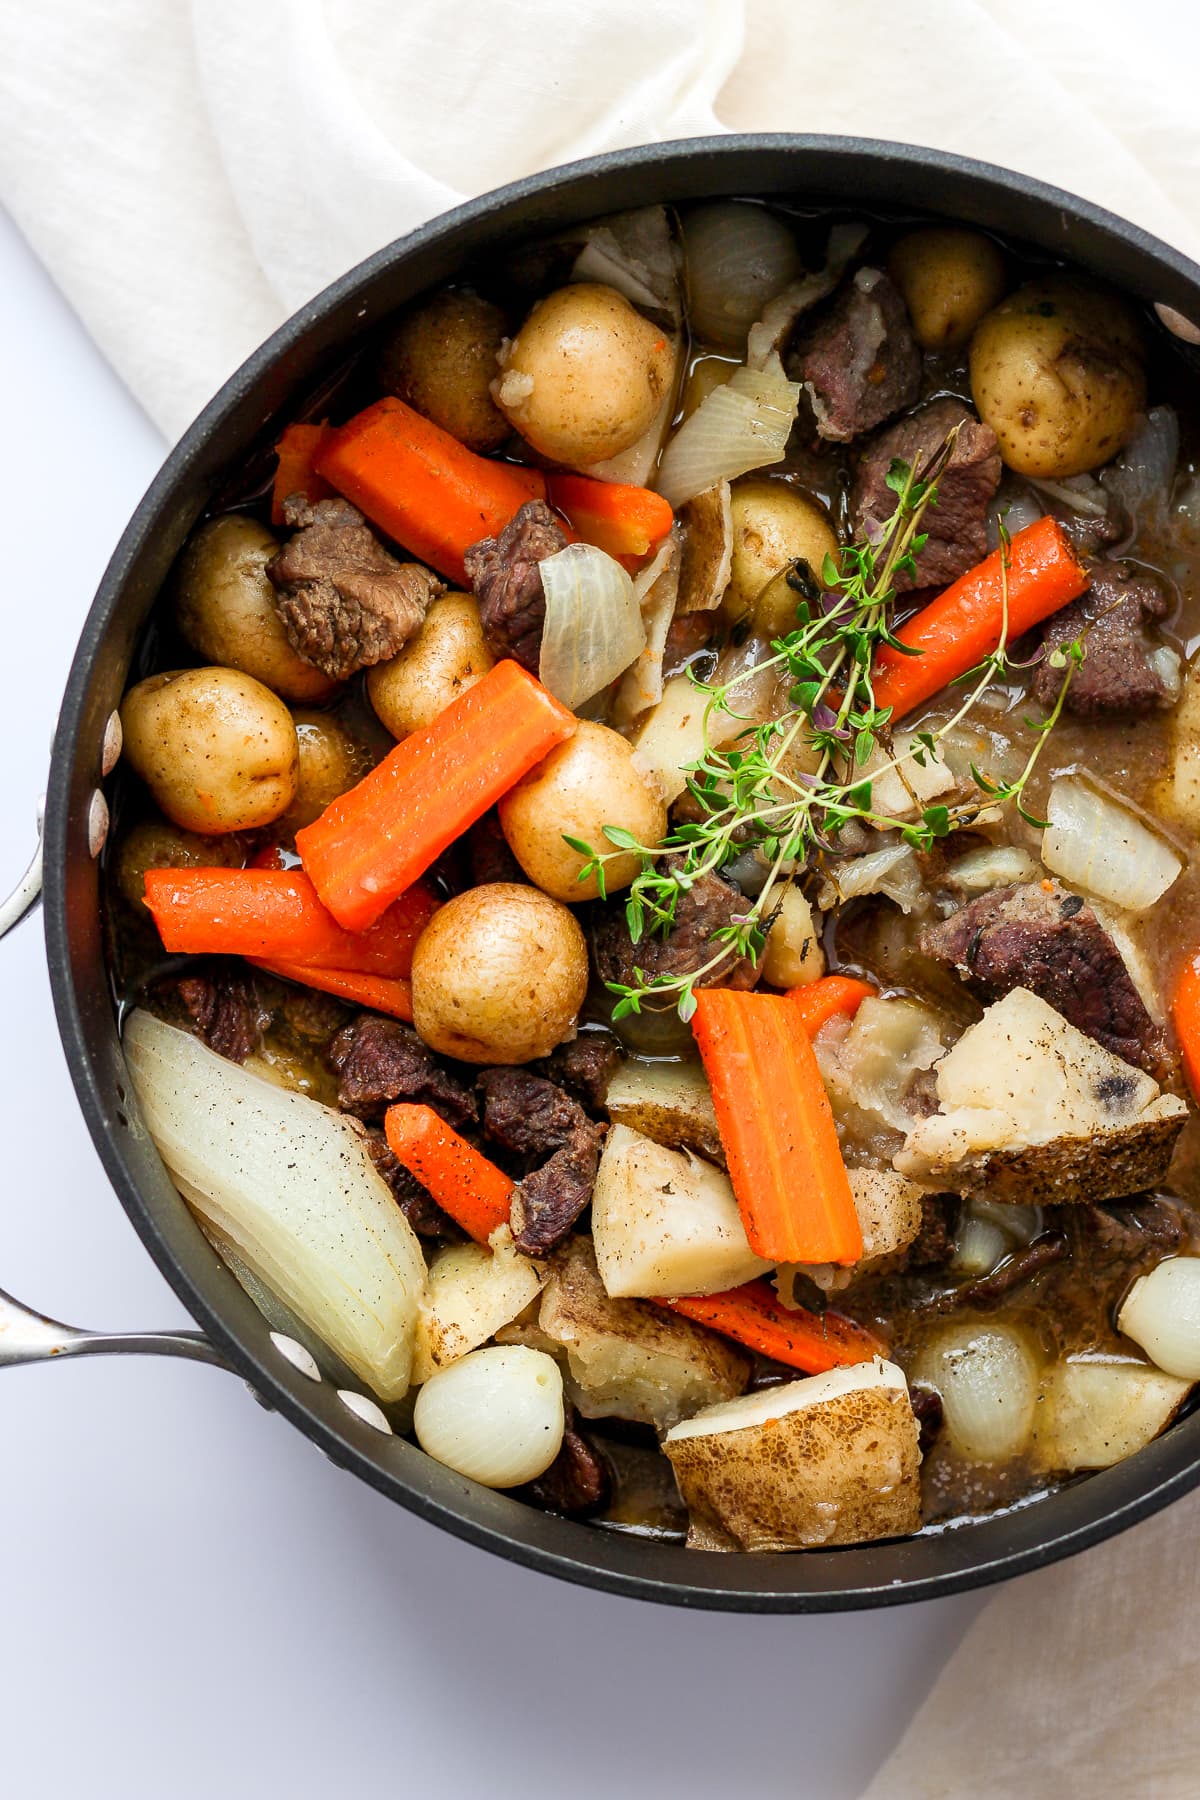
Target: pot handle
27	1336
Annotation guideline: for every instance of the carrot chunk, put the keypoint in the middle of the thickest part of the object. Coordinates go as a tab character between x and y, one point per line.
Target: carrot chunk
1185	1015
823	1000
965	623
275	914
754	1315
625	521
380	992
464	1183
372	843
297	451
421	486
774	1117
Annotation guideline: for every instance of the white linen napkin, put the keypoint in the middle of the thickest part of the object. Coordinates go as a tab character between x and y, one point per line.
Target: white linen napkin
191	174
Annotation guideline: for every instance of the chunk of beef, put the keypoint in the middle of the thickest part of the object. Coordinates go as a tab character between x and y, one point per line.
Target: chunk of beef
929	1414
859	361
586	1065
1123	673
578	1482
344	601
956	522
503	571
1036	935
707	906
1021	1266
687	634
226	1009
488	853
415	1202
1132	1236
380	1060
933	1245
312	1016
532	1117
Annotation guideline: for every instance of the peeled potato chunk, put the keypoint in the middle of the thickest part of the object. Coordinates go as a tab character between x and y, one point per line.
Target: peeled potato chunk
831	1459
1031	1110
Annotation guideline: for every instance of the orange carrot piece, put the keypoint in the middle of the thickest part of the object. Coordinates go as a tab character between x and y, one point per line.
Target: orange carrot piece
383	993
421	486
823	1000
625	521
275	914
1185	1015
964	624
464	1183
755	1316
297	451
372	842
777	1129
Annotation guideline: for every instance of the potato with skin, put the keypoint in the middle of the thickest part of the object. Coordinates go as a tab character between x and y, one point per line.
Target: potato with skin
1056	372
216	748
585	376
773	524
225	608
153	844
330	763
948	278
583	785
499	975
447	656
441	359
830	1459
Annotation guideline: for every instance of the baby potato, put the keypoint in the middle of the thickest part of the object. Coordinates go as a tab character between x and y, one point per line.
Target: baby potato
499	975
948	278
1056	372
585	375
447	656
441	359
329	762
583	785
225	608
216	748
773	523
153	844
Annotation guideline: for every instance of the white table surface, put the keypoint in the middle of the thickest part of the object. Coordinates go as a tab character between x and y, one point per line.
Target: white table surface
192	1600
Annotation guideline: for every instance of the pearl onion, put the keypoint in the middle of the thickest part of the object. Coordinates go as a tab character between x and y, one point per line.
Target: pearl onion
495	1415
1162	1314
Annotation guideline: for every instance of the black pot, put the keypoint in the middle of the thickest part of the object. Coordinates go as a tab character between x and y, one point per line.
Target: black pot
814	172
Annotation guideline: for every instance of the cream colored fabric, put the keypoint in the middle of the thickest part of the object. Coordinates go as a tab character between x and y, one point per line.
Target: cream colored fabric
191	171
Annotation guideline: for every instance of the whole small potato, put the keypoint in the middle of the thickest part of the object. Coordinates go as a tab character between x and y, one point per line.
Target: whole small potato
583	785
225	608
216	748
585	375
447	656
948	278
1056	372
329	762
499	975
441	359
153	844
773	524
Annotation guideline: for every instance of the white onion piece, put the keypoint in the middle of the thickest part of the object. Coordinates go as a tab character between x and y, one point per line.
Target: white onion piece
988	1382
744	424
289	1185
1144	473
495	1416
593	627
893	872
1081	494
1095	843
1162	1314
992	865
739	256
1095	1412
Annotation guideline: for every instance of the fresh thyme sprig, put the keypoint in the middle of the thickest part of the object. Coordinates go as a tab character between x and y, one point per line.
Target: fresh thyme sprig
787	787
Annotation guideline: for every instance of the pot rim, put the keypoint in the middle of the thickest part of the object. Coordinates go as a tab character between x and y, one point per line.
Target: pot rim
970	1554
